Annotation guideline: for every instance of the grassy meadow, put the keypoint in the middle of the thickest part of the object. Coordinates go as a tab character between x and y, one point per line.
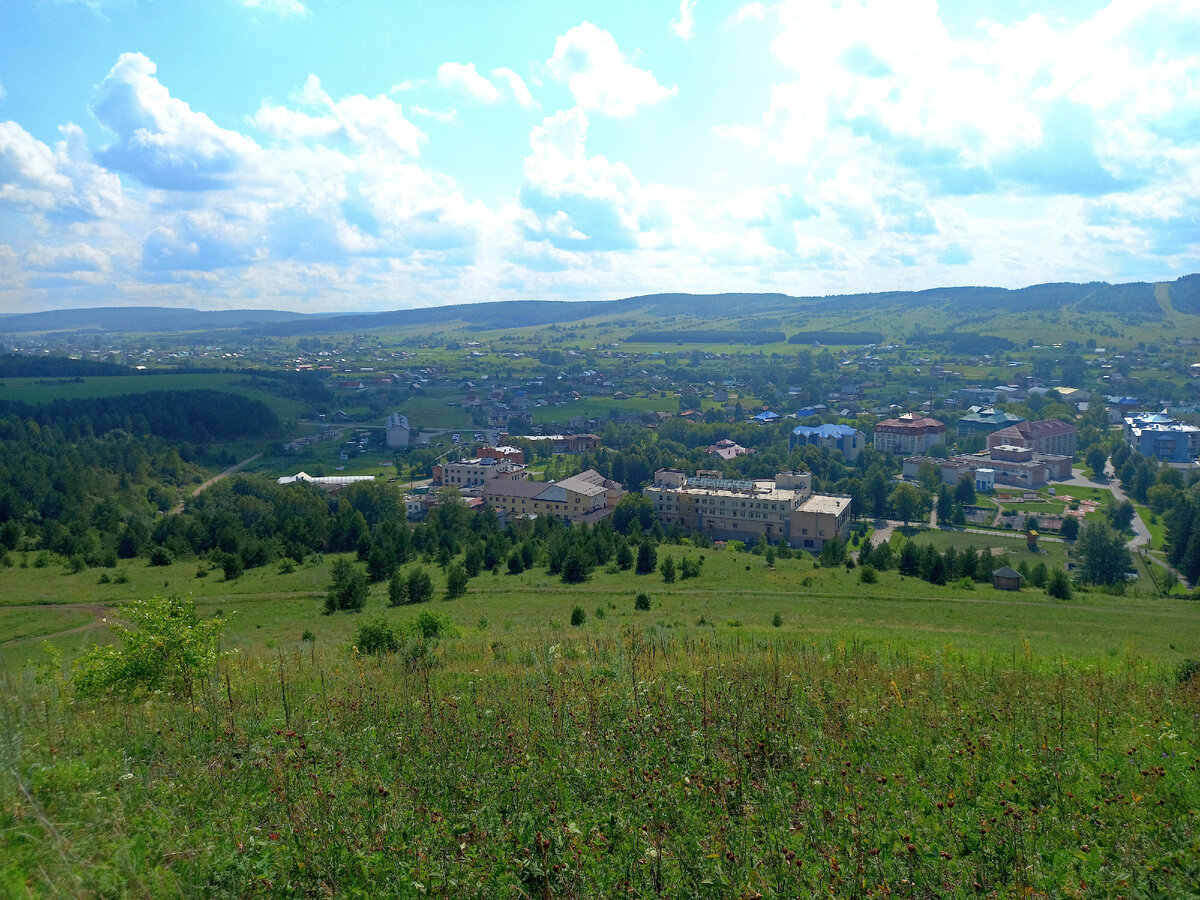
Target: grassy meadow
633	759
736	594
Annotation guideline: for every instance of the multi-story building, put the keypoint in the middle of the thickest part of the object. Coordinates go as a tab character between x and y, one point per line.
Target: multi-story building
502	451
908	434
986	420
472	473
1163	437
586	497
1002	464
1050	436
783	509
836	437
398	432
566	443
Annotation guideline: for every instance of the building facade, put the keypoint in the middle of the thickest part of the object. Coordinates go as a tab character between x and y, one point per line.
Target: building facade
1163	437
472	473
835	437
1050	436
398	432
987	420
782	510
586	497
908	434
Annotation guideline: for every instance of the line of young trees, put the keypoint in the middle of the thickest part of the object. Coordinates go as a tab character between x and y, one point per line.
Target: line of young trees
967	566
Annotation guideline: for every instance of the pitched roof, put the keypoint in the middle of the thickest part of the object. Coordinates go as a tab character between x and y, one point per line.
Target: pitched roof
1006	572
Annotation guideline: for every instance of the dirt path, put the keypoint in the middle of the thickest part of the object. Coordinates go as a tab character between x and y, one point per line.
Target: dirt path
236	467
100	613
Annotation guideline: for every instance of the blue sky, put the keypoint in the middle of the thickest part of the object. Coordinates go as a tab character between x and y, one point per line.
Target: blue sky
372	154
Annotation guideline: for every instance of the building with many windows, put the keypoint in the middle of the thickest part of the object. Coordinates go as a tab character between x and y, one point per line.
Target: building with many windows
782	510
472	473
908	434
1163	437
1050	436
586	497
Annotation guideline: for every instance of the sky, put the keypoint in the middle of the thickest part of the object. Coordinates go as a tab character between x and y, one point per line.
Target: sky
336	155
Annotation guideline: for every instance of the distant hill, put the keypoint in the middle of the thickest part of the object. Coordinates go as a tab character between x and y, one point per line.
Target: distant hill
1135	299
142	319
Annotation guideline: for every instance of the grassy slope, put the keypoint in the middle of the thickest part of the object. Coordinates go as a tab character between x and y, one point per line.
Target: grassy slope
273	610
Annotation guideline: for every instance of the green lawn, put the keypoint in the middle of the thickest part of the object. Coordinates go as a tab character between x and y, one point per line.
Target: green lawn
736	593
1053	554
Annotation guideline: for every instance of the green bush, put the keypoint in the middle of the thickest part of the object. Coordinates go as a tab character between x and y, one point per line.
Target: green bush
642	602
348	589
578	616
377	636
867	574
166	649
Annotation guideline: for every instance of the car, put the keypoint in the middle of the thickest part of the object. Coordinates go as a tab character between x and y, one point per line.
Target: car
457	439
479	435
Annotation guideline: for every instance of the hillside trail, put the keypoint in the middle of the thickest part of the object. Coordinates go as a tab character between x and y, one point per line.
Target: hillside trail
100	612
235	468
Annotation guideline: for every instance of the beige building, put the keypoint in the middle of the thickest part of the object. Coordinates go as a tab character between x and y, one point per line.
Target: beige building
1051	436
783	509
586	497
909	434
472	473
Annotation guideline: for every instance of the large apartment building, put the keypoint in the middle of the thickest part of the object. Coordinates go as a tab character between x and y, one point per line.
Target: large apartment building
472	473
1163	437
783	509
1051	436
586	497
909	434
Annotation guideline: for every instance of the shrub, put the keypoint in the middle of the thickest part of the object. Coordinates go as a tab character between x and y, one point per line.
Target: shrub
456	581
166	649
1058	585
419	586
668	570
578	616
348	589
159	556
377	636
777	620
642	602
867	574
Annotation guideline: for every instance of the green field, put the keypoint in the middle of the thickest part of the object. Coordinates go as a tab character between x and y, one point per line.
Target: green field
894	745
737	594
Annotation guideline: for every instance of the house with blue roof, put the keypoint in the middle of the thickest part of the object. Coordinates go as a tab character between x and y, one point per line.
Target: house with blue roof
766	417
836	437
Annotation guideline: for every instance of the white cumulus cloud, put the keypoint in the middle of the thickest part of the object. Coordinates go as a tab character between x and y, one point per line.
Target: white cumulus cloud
464	77
588	60
283	8
684	25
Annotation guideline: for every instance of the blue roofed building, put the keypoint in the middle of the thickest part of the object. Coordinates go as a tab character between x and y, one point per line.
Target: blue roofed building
766	418
987	420
836	437
1163	437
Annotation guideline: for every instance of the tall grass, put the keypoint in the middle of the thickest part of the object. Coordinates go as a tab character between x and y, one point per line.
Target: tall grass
638	764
